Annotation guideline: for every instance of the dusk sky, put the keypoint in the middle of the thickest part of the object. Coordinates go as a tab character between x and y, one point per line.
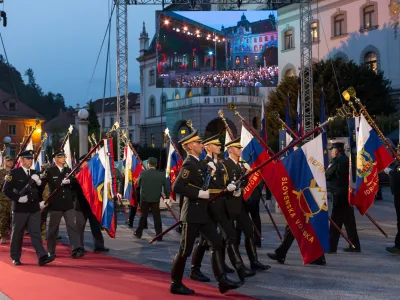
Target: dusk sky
60	41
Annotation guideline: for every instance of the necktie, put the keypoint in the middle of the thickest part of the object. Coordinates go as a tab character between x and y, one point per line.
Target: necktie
28	172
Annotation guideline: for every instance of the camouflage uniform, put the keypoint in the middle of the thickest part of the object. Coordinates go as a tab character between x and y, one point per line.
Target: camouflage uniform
5	208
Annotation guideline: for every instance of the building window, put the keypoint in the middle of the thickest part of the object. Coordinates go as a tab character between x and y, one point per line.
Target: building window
237	61
256	48
246	61
111	121
289	73
314	32
13	151
255	40
12	106
260	39
371	61
12	129
152	107
272	37
153	141
339	25
266	38
177	95
163	104
130	136
288	39
130	121
152	78
165	141
255	57
368	16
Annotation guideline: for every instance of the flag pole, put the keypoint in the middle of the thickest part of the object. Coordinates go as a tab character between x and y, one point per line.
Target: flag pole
276	115
173	144
107	135
141	163
69	132
40	147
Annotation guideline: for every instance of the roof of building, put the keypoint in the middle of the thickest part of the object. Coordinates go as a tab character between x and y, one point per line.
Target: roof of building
22	110
63	120
110	104
257	27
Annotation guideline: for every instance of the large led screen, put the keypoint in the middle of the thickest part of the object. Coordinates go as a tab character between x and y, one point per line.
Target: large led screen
217	49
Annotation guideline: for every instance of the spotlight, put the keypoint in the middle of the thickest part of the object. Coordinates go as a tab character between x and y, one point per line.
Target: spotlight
197	31
185	28
166	22
210	53
349	93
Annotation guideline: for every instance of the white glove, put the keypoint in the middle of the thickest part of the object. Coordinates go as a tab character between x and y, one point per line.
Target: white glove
237	193
231	187
119	196
23	199
387	170
42	205
37	179
212	167
65	181
246	166
204	194
167	201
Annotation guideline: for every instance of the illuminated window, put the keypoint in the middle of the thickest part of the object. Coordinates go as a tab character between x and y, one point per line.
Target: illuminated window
314	32
371	62
288	39
153	141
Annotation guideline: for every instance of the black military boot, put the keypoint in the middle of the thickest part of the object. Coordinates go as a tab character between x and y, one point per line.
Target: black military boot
226	268
197	258
224	283
178	267
280	259
237	262
252	253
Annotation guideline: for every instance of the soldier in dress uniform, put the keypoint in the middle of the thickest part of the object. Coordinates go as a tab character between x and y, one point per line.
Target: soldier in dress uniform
61	205
234	203
85	213
218	182
337	174
195	218
394	173
22	188
5	204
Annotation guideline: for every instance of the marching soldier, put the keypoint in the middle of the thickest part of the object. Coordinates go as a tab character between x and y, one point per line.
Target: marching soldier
234	203
149	190
394	173
61	205
195	218
5	204
85	213
22	188
337	174
218	182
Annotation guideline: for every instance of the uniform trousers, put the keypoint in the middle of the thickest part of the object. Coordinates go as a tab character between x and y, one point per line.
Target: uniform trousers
243	221
397	207
252	206
288	239
73	235
20	221
343	214
95	228
144	210
5	212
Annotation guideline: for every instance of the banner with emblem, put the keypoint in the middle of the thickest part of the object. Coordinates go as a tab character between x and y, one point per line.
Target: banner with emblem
372	158
299	186
29	146
133	167
174	164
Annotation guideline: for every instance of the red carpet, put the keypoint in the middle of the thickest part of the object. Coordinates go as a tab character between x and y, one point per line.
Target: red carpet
96	276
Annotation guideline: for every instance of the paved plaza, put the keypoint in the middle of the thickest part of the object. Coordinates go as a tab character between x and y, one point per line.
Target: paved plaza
372	274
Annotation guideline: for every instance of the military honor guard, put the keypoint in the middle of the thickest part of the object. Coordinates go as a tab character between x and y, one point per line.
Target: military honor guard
22	188
61	205
195	218
218	181
151	185
235	206
5	204
337	175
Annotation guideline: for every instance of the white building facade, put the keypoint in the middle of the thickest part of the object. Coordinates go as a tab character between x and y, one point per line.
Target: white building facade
364	31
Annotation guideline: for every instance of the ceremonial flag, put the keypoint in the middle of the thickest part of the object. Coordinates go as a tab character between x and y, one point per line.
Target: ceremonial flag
299	121
227	140
254	154
321	121
40	161
372	158
73	160
98	182
1	160
203	155
174	164
68	155
133	168
299	186
263	123
29	146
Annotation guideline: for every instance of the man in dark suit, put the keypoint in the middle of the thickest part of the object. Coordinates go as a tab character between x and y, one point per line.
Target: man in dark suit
149	189
22	188
235	206
195	218
85	213
61	205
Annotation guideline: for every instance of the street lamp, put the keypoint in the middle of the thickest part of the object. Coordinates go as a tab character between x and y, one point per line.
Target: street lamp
7	141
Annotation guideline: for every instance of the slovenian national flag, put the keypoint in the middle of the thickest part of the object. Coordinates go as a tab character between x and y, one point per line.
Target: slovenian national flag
372	158
40	161
98	182
133	167
254	154
174	164
227	140
299	186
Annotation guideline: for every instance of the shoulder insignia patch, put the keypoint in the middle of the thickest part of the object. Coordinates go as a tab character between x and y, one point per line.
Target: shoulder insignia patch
185	173
8	178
